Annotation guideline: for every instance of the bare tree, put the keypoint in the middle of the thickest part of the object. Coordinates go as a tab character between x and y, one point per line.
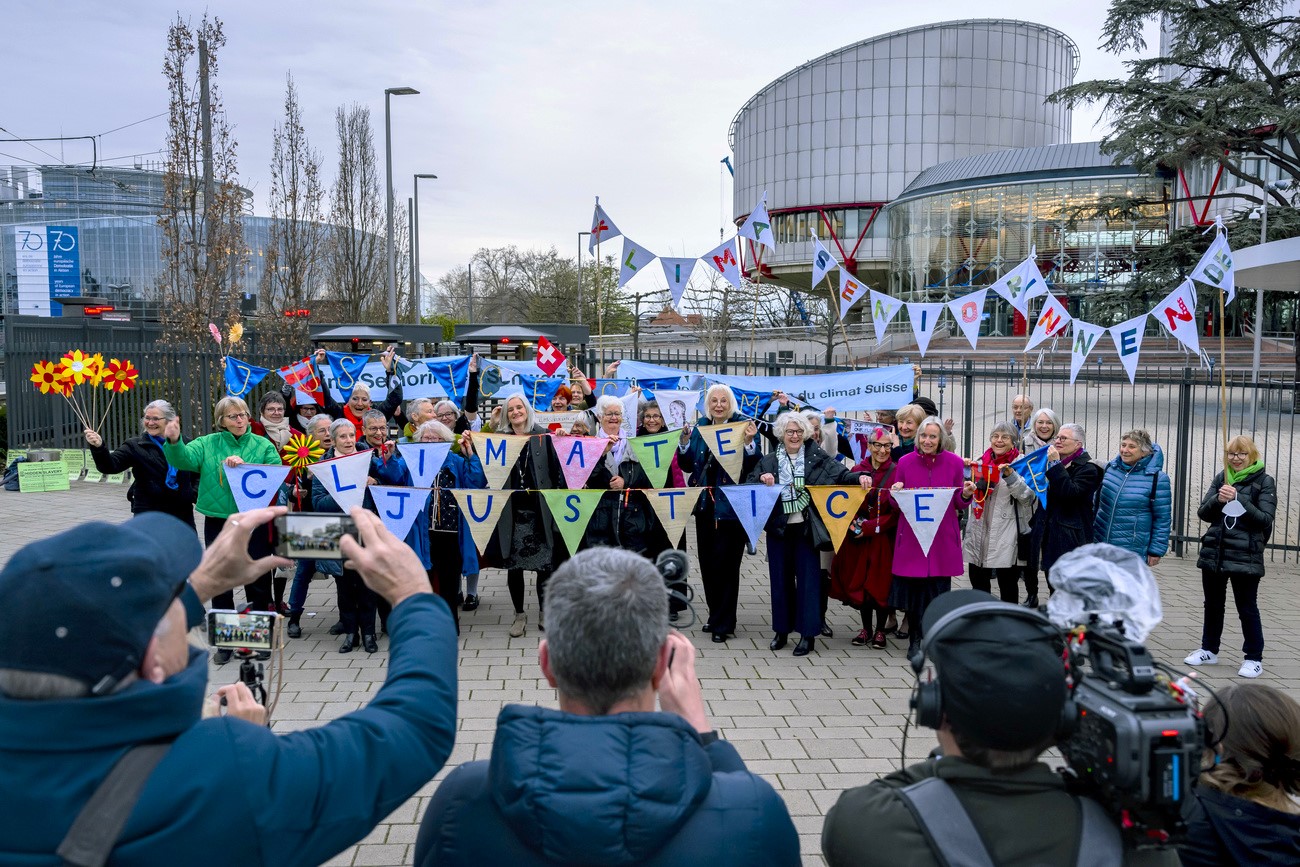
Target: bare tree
357	276
202	244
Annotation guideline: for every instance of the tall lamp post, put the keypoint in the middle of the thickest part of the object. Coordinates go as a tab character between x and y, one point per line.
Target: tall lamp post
389	93
415	243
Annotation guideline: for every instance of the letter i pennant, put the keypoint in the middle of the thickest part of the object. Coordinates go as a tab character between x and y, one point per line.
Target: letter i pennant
752	504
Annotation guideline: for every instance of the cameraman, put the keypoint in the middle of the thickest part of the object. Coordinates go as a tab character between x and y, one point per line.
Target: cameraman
1000	704
94	666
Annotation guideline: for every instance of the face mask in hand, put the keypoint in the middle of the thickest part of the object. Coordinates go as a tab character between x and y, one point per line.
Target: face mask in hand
1231	512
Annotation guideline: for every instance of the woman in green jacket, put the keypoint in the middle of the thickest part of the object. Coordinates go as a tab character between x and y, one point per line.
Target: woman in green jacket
233	444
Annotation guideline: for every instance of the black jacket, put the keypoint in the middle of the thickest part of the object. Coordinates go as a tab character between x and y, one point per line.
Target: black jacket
1223	829
148	466
819	468
622	519
1066	523
1239	549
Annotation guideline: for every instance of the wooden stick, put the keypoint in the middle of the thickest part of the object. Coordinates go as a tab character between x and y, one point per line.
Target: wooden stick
600	311
753	324
1223	382
835	308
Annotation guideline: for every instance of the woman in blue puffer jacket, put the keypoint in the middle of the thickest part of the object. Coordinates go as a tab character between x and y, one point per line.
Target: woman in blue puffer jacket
1134	504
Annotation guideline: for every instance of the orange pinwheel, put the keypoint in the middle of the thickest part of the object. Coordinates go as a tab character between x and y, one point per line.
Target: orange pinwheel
77	365
302	450
95	370
119	376
46	377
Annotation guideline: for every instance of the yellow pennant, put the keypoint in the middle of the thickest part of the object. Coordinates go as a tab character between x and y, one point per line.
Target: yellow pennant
673	506
481	510
498	453
837	506
727	442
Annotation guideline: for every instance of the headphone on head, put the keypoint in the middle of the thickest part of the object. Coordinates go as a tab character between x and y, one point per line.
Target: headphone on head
927	699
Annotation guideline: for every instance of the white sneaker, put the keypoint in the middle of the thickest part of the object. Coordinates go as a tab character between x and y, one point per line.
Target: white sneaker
1250	668
1202	657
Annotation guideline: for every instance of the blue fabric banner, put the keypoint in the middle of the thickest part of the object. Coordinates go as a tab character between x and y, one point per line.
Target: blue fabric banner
346	367
615	387
1033	469
452	374
753	503
541	389
242	377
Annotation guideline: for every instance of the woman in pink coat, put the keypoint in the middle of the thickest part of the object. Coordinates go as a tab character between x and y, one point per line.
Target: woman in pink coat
920	577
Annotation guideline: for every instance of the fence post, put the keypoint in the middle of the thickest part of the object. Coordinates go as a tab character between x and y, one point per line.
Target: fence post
968	411
1182	472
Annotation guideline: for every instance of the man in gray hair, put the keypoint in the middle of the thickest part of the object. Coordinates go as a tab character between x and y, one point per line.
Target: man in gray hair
605	779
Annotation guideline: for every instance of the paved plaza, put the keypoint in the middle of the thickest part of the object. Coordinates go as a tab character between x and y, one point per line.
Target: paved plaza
812	726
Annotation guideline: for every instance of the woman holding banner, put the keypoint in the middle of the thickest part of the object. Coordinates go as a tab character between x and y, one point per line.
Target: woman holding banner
793	564
621	520
156	486
652	422
359	403
1065	523
449	538
928	551
862	570
718	531
1002	510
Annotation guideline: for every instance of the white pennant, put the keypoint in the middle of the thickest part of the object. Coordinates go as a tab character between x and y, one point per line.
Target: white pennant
602	228
722	259
924	510
924	318
758	225
631	403
1177	313
1128	343
1021	284
254	486
752	504
1216	268
635	258
851	290
1051	321
424	460
399	506
679	407
883	310
678	273
344	478
1085	338
823	262
969	313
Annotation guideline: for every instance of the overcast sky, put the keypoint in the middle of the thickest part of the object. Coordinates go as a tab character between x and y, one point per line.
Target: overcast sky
527	110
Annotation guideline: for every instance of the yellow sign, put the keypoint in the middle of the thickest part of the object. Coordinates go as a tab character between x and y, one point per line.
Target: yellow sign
837	506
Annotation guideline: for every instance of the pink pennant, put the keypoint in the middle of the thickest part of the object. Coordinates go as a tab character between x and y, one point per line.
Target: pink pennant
578	457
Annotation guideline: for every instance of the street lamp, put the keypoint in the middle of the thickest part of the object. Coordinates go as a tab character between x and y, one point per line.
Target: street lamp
415	243
580	310
390	92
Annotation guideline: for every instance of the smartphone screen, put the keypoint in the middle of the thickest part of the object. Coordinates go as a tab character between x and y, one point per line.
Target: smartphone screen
236	631
312	535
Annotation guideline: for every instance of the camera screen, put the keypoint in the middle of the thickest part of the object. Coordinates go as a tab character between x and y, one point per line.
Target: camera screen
230	629
313	535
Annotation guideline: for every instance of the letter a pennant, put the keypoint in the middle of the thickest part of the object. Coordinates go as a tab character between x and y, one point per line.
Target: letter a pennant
752	504
727	442
602	228
1052	320
969	313
578	457
758	225
254	486
399	506
498	453
837	506
924	510
571	511
722	259
344	478
1086	336
851	291
673	506
883	310
678	274
481	510
655	452
924	318
1177	313
635	258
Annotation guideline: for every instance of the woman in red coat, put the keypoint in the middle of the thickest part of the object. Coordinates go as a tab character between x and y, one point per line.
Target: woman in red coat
861	572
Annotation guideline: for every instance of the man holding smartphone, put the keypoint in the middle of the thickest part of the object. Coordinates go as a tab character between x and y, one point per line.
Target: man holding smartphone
98	683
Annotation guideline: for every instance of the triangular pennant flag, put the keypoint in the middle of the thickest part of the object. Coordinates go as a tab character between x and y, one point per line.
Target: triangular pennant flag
883	310
631	403
727	442
399	506
851	291
481	510
969	313
823	262
838	506
242	377
673	506
254	486
302	377
752	404
1177	313
1020	284
924	318
678	274
346	367
680	407
424	460
541	390
1216	267
758	225
344	478
452	374
578	457
752	505
1033	469
1051	321
1086	336
635	258
924	510
498	453
571	511
602	228
1128	343
655	453
722	259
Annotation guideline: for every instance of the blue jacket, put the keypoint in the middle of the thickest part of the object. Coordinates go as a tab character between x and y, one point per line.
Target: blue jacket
1134	506
462	473
229	792
631	788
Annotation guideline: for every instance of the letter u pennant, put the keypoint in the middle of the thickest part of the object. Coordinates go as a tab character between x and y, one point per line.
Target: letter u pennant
481	510
837	506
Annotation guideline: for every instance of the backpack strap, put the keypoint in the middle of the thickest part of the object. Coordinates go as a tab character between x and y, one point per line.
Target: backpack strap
1099	840
94	832
946	824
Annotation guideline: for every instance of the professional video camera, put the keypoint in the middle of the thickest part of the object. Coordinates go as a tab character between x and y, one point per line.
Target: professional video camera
1136	748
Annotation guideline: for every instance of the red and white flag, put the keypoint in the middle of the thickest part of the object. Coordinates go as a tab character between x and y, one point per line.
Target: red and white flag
303	378
549	356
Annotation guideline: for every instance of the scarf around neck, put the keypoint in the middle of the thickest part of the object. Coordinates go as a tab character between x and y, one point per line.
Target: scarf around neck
1066	460
170	481
277	432
1005	458
1231	476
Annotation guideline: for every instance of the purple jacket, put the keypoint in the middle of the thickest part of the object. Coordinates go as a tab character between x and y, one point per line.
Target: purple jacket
944	470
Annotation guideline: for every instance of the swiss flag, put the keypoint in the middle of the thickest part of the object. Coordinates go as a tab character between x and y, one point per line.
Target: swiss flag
549	356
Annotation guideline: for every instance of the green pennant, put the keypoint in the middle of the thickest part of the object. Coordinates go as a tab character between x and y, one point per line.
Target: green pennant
571	511
655	453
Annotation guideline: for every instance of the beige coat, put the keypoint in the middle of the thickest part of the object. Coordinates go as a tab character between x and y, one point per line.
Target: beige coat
991	541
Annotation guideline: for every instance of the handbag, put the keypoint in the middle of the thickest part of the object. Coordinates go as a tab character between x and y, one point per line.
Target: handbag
817	532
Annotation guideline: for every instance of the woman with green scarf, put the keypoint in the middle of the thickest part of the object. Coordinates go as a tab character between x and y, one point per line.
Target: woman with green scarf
1239	507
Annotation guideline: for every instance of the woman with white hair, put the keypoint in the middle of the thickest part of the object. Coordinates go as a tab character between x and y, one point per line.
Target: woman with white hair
721	537
449	537
156	486
1134	505
1000	515
621	520
1041	431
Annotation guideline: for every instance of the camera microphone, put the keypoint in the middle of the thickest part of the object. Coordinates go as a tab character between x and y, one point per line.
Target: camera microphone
673	565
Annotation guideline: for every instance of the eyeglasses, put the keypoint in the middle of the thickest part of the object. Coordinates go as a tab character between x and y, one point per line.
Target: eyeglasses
155	419
1238	454
447	414
236	416
881	446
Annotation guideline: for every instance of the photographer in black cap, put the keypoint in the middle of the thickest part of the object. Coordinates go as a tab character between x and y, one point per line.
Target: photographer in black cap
103	755
998	697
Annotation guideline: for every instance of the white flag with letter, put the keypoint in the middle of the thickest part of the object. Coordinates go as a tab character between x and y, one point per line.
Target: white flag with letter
1128	343
883	310
254	486
1216	268
758	225
823	262
1021	284
635	257
969	313
722	259
851	289
1177	313
1085	338
399	506
924	318
1051	321
678	273
602	228
924	510
424	460
344	478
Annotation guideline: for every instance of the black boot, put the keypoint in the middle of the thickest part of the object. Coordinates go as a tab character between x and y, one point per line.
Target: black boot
295	631
369	643
805	645
350	642
779	641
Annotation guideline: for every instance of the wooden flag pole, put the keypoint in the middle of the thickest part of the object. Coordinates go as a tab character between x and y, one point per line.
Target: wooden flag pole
1223	383
835	308
753	324
600	310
